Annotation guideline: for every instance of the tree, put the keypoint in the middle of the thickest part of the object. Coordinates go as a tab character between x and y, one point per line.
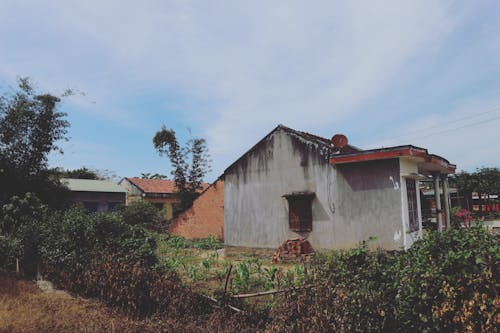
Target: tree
152	176
190	164
30	128
483	180
80	173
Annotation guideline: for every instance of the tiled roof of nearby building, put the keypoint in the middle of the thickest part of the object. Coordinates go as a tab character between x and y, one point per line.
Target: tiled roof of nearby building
156	185
90	185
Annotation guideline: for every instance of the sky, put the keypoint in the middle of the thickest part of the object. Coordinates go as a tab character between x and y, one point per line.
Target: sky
384	73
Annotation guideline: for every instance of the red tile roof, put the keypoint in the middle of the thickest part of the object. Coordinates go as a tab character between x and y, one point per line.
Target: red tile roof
157	185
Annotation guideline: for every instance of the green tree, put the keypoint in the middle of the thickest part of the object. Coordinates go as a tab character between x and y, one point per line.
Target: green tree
30	128
148	175
190	164
483	180
80	173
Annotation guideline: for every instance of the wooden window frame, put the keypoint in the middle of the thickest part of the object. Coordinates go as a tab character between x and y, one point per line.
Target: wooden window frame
300	211
412	202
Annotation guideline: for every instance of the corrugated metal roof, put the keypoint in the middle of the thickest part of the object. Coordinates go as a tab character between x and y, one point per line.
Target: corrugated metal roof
90	185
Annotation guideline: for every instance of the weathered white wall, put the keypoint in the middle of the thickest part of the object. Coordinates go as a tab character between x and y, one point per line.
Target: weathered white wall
345	212
369	204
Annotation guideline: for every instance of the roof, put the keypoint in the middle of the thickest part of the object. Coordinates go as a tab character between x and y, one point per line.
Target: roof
163	186
324	144
90	185
428	163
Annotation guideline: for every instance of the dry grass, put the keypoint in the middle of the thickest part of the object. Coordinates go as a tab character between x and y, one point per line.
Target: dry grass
25	308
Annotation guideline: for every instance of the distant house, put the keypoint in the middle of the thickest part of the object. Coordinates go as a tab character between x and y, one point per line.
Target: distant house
293	184
205	217
160	192
95	195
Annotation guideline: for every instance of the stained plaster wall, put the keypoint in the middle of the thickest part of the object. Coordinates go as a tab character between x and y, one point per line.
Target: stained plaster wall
344	211
369	204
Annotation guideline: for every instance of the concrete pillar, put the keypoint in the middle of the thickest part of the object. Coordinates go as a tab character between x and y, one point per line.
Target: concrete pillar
446	198
437	197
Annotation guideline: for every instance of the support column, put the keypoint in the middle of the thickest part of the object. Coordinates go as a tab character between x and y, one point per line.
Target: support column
437	197
446	199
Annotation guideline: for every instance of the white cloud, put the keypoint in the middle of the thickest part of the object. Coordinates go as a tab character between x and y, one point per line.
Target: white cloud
256	64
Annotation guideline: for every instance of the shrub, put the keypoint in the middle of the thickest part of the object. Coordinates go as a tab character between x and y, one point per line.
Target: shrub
142	213
21	223
445	282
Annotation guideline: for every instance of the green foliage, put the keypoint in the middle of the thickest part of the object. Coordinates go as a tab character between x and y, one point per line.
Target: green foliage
21	225
153	176
241	279
209	243
30	128
80	173
483	180
444	283
190	164
142	213
177	242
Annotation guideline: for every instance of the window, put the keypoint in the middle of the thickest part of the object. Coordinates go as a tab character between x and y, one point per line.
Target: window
300	211
159	205
411	192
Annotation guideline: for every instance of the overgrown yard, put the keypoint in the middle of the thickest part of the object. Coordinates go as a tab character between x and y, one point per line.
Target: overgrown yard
204	265
447	282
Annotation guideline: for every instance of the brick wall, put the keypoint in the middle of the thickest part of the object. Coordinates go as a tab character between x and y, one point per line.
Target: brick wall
205	217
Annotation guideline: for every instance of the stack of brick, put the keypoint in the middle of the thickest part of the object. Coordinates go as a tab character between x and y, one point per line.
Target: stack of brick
293	249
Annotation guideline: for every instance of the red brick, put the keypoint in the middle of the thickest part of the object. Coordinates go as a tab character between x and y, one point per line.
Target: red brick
205	217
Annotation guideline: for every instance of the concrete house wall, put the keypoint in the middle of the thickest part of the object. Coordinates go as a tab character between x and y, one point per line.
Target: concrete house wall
369	203
348	202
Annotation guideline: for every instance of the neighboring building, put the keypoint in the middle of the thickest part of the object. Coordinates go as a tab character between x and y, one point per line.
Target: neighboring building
293	184
95	195
205	217
160	192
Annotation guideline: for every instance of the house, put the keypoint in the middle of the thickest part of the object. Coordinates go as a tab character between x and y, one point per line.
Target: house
95	195
293	184
205	217
160	192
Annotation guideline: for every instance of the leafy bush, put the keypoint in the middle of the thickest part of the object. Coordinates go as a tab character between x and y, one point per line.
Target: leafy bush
142	213
21	223
71	237
445	282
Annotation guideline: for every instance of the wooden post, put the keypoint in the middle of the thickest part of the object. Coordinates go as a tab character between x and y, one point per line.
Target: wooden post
17	265
227	277
437	197
446	198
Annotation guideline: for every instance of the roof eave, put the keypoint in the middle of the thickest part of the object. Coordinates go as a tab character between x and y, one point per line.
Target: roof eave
443	166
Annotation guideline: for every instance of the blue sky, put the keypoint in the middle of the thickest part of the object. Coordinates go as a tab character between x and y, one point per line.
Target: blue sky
384	73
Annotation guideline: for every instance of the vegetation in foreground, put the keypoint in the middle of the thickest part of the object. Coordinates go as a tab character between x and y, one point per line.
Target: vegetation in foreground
444	283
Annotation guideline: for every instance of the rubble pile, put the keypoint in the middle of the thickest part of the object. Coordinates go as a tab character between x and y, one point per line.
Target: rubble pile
293	249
